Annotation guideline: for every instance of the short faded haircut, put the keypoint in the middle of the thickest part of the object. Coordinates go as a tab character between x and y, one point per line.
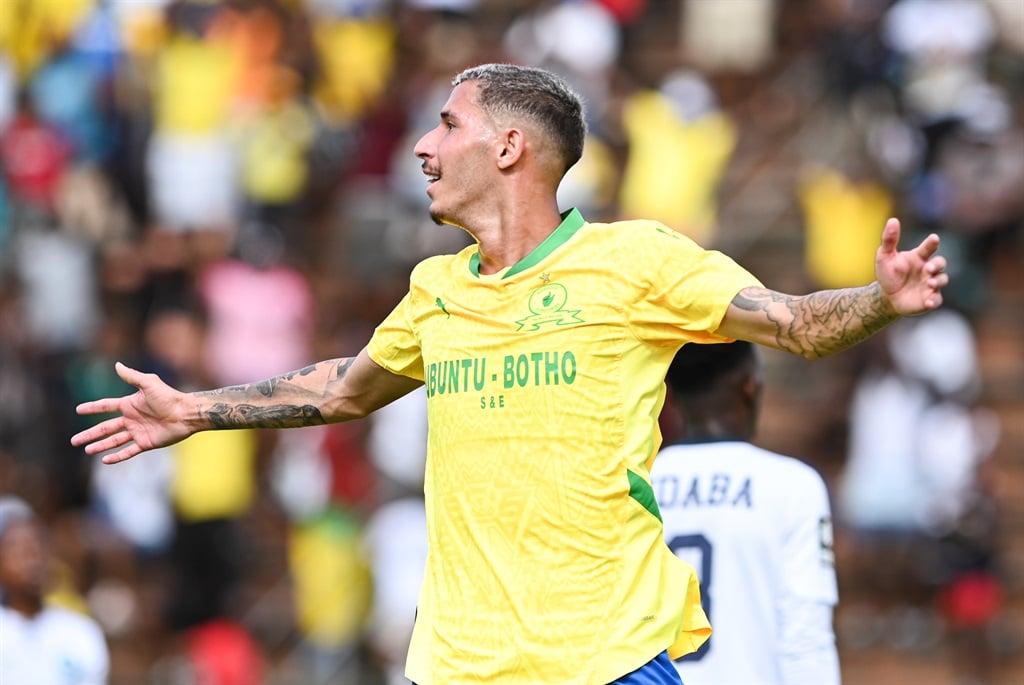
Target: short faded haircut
699	368
538	94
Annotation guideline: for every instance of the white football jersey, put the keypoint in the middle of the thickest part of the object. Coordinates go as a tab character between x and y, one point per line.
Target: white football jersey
757	527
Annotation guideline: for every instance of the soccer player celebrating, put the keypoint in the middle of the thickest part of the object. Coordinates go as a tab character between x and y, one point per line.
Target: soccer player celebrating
543	348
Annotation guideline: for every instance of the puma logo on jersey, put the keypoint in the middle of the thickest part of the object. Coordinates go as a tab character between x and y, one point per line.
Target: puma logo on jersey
440	303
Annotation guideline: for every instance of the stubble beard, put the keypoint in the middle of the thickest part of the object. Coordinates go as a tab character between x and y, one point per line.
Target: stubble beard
437	217
442	218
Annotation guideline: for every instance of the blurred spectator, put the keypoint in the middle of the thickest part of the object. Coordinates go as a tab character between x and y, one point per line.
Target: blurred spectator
395	542
982	162
978	173
397	440
841	218
325	485
8	90
1008	17
255	295
99	39
582	41
191	164
738	35
942	44
916	438
87	204
58	280
920	522
222	652
679	145
23	401
332	595
41	643
66	90
394	538
212	488
55	303
135	502
355	44
29	30
141	25
274	144
854	58
579	39
254	35
34	155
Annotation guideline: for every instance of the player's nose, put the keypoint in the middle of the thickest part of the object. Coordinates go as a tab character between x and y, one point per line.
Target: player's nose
425	146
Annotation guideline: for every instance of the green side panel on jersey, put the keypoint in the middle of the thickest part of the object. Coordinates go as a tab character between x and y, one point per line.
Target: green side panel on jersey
642	492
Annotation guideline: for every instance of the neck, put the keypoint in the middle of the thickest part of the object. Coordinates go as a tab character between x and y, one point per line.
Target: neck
713	432
716	425
511	234
26	605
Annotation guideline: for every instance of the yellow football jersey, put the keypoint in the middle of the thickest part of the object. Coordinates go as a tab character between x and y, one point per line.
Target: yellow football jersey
544	386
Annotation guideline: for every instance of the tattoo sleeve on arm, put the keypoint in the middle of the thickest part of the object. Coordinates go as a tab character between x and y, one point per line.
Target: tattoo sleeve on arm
298	404
276	416
823	322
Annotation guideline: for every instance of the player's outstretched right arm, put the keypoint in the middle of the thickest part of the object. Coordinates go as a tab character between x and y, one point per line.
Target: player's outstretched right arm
157	415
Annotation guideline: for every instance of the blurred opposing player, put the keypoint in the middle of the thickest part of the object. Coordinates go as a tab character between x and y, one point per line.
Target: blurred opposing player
756	525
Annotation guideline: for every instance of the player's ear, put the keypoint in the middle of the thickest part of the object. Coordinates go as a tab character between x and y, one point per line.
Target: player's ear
752	386
513	144
751	401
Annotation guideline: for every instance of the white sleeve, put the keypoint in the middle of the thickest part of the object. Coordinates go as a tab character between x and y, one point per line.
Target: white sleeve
808	654
96	656
808	560
807	651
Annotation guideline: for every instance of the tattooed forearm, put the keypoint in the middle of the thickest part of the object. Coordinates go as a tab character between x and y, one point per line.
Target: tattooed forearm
266	388
300	398
223	415
823	322
341	368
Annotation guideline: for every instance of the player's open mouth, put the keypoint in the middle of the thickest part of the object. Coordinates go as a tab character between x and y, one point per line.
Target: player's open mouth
432	176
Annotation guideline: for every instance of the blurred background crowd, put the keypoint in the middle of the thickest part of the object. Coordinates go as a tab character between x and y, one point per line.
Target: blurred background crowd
223	190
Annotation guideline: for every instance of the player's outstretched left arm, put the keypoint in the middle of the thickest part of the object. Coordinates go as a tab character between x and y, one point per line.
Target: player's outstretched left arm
907	283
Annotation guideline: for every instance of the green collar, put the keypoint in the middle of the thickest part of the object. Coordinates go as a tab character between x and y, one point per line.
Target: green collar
572	221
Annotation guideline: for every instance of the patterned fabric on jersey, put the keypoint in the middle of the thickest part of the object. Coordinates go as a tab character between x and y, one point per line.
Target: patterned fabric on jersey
544	385
757	527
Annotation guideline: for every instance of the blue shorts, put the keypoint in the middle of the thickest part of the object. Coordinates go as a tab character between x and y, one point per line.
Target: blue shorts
657	671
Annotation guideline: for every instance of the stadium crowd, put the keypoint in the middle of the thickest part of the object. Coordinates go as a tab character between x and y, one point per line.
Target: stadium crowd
223	190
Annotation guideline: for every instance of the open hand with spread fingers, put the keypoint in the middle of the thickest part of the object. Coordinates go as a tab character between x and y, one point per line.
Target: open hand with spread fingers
911	280
148	418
